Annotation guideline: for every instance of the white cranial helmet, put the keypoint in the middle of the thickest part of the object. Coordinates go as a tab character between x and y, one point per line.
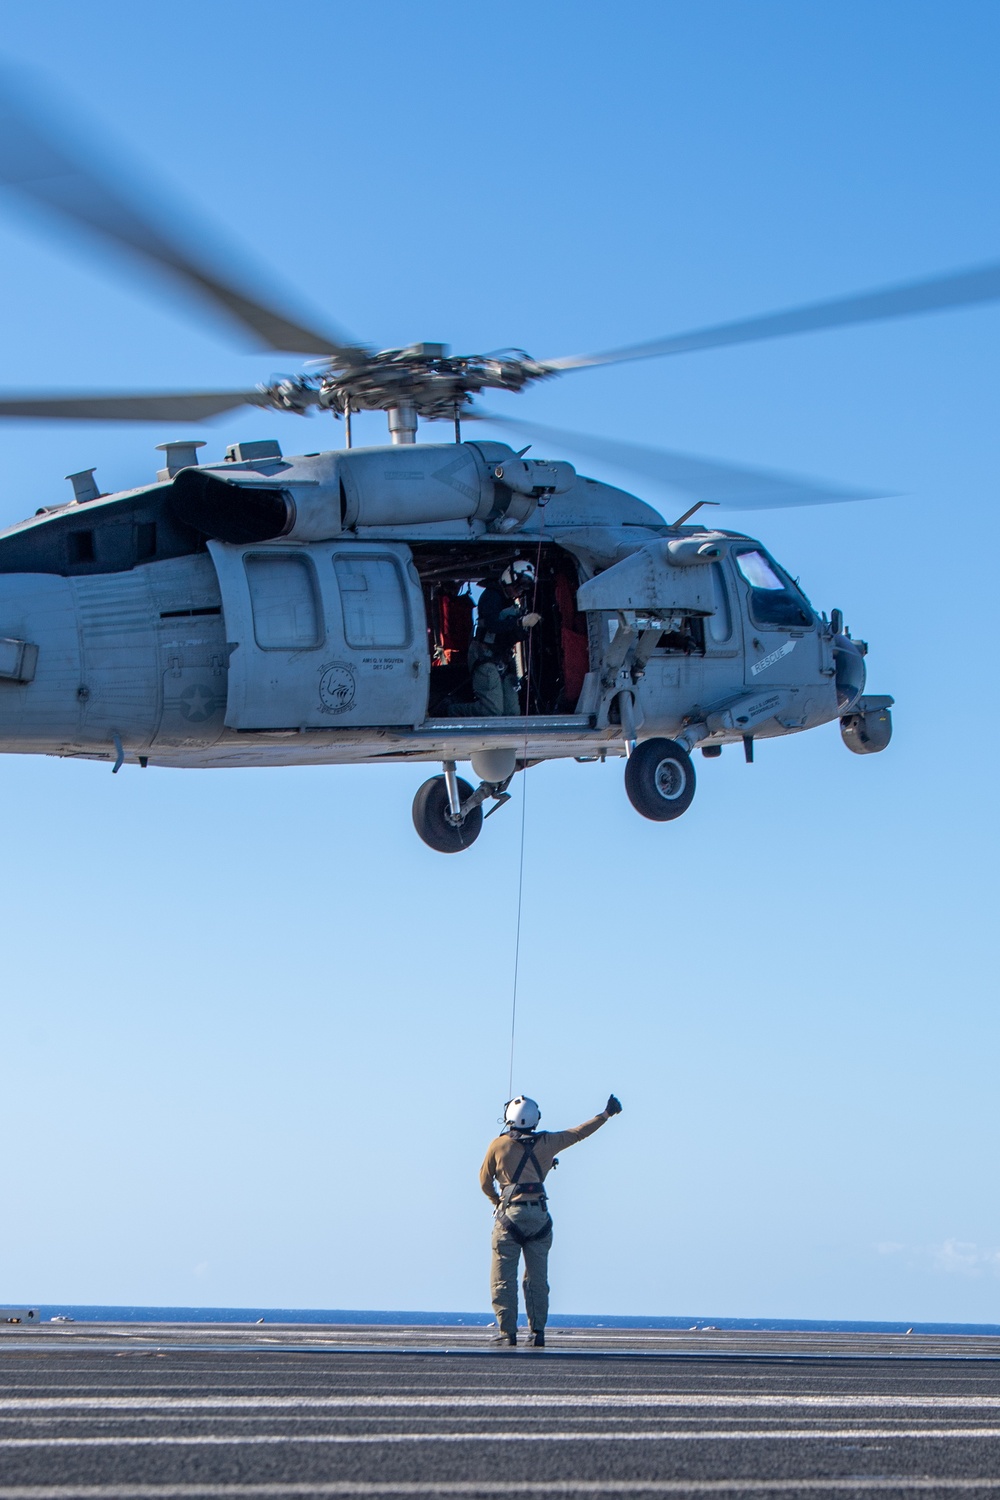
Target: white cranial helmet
519	572
522	1113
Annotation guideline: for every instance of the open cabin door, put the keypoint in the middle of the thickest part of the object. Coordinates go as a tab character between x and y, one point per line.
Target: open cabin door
325	636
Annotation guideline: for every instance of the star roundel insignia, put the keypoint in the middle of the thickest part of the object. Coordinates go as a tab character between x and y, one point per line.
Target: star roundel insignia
197	704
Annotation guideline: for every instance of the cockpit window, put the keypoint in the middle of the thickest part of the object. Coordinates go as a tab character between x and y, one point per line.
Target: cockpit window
774	599
758	571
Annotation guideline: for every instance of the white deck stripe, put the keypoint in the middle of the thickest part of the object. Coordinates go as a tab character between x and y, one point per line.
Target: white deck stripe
247	1440
536	1402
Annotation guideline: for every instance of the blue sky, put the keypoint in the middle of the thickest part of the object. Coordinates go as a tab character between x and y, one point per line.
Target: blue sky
256	1033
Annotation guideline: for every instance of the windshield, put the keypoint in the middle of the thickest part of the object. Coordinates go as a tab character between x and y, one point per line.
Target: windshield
774	599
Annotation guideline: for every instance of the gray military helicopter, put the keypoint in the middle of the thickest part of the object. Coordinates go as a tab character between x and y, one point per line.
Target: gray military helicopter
318	609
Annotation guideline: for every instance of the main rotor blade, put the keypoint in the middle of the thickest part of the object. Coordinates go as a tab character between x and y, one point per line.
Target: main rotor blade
43	165
186	406
935	294
712	482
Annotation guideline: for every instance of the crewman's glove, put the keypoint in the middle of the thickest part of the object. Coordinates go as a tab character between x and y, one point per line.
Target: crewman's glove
529	621
613	1107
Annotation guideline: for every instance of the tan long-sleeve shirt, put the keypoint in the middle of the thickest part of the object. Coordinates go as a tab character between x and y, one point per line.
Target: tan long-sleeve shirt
505	1153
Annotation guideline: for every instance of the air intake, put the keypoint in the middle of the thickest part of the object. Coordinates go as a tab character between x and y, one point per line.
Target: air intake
230	512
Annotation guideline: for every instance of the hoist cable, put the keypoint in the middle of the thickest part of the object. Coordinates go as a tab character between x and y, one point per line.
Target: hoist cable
524	804
517	940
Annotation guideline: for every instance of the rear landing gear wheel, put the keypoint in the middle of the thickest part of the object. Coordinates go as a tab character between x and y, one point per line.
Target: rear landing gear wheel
432	820
659	780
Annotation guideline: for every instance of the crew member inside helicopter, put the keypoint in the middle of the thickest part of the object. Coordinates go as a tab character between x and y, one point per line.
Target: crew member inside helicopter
452	623
503	620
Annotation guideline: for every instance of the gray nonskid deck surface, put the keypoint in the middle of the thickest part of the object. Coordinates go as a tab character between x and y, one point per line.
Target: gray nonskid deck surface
358	1337
108	1411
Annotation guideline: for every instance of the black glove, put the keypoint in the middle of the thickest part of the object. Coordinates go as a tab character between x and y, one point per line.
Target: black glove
613	1107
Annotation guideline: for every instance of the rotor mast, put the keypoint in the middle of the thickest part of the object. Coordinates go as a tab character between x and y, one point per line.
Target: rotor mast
402	423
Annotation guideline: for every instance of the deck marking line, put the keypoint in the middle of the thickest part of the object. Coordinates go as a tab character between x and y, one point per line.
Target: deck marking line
217	1440
608	1400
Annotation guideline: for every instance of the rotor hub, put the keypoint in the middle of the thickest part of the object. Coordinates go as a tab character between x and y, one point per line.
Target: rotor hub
424	379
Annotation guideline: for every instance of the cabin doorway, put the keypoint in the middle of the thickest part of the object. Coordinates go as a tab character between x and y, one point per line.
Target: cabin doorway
552	665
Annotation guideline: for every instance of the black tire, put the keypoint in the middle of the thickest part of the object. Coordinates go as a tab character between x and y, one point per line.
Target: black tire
430	817
660	780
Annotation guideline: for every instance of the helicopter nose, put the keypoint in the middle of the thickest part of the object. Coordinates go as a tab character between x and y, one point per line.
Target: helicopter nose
849	672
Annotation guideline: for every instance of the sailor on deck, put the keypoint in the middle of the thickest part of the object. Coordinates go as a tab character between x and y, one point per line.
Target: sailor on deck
517	1163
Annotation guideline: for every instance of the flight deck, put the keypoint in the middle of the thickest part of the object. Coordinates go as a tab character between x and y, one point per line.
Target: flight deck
113	1411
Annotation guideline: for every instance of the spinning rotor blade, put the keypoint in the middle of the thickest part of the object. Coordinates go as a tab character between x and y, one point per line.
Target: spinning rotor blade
936	294
43	165
704	479
187	406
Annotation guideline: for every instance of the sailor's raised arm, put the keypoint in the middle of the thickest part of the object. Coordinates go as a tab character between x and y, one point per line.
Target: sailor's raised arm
560	1140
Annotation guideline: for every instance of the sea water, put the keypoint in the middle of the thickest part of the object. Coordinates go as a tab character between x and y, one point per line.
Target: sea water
88	1314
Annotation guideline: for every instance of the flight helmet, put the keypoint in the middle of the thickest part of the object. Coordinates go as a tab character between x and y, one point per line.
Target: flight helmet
522	1113
518	574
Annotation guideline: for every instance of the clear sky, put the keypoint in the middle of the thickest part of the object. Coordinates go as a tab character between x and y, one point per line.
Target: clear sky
254	1032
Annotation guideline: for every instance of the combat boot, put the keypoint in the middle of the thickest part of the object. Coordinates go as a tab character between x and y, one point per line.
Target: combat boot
536	1340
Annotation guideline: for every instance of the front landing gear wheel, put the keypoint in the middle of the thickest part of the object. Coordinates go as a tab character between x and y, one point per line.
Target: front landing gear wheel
432	821
659	780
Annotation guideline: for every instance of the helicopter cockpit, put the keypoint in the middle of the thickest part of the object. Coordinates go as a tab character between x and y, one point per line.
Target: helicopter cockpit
774	599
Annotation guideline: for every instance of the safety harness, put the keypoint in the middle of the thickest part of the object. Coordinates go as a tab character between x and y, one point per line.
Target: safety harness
502	653
527	1155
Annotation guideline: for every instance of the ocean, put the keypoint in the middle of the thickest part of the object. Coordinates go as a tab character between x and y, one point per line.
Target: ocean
89	1314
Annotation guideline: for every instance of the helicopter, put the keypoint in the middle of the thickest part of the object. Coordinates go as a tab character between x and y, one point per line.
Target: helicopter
267	610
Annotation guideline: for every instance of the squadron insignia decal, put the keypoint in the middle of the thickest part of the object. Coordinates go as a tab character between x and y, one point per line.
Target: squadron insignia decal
336	688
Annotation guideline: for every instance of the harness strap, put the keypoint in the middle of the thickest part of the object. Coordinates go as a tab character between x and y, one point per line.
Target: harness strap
519	1234
528	1150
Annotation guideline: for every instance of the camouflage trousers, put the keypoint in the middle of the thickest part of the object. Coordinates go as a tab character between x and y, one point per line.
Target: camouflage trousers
507	1251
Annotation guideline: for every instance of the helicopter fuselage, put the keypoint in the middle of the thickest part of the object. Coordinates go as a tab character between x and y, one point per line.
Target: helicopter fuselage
268	611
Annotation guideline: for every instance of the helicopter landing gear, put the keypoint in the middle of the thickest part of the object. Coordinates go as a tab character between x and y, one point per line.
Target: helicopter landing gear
448	814
437	813
660	780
